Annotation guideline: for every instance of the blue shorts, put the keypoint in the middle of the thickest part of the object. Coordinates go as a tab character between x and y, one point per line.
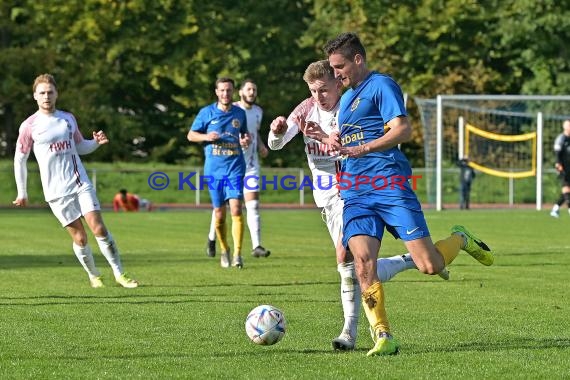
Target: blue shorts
223	189
403	218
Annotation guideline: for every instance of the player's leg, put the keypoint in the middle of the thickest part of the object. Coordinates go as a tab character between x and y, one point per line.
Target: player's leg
566	191
90	210
462	194
254	223
217	196
221	234
364	249
350	300
408	223
362	233
67	210
211	244
433	258
349	286
237	230
84	253
555	212
108	248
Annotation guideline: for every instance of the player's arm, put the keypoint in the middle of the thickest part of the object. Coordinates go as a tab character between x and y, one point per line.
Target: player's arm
244	137
21	176
281	131
82	145
559	153
261	148
88	146
195	136
199	130
23	147
400	132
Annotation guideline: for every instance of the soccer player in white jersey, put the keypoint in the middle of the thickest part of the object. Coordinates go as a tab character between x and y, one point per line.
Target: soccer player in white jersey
55	138
254	114
321	108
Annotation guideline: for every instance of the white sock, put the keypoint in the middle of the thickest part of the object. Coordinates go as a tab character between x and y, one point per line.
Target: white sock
212	233
350	297
85	257
388	267
109	249
253	222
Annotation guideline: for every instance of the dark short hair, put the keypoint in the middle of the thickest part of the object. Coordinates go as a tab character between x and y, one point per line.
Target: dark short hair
346	44
246	81
225	80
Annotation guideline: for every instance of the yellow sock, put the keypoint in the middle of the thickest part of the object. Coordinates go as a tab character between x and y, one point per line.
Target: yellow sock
373	302
449	248
221	234
237	233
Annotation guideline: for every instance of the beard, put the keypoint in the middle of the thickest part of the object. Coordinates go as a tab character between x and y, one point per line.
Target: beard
249	101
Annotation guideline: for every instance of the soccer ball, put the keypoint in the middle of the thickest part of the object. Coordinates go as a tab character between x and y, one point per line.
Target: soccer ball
265	325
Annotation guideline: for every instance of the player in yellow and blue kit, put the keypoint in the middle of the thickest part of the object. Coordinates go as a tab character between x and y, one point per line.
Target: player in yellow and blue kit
374	183
222	127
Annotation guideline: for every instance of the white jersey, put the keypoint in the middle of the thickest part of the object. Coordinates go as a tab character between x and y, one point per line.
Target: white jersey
322	162
54	139
254	116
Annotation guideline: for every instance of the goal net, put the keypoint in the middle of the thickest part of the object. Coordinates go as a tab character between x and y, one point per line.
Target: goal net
500	155
508	140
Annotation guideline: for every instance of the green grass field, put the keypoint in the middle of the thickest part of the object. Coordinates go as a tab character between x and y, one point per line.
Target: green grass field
508	321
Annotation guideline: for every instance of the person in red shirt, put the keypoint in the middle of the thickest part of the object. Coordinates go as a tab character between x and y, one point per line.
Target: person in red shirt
125	201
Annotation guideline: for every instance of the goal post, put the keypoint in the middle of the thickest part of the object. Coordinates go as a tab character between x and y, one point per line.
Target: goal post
514	131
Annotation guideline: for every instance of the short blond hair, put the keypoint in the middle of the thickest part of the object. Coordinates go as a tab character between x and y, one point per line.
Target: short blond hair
318	70
44	78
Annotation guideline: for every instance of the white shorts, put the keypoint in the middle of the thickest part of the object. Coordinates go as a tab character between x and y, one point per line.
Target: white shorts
69	208
332	216
251	181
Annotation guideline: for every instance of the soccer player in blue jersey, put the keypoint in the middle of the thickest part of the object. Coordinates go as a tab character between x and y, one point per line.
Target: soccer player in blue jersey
222	128
374	183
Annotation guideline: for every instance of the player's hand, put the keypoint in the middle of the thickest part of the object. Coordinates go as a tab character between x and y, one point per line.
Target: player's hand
100	137
263	151
278	125
20	202
354	151
559	168
244	140
334	141
312	130
212	136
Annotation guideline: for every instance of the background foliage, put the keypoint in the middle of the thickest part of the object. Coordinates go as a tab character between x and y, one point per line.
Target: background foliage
141	69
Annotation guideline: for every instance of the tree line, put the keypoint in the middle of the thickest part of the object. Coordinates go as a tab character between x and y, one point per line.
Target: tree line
141	69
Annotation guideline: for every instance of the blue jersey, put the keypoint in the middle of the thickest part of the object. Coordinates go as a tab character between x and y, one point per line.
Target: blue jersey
224	157
363	113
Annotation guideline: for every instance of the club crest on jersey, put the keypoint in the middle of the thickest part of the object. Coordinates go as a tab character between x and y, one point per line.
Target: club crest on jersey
236	123
354	104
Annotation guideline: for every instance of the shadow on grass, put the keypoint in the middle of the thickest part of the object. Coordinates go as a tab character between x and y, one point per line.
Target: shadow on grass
515	344
49	260
31	261
511	344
